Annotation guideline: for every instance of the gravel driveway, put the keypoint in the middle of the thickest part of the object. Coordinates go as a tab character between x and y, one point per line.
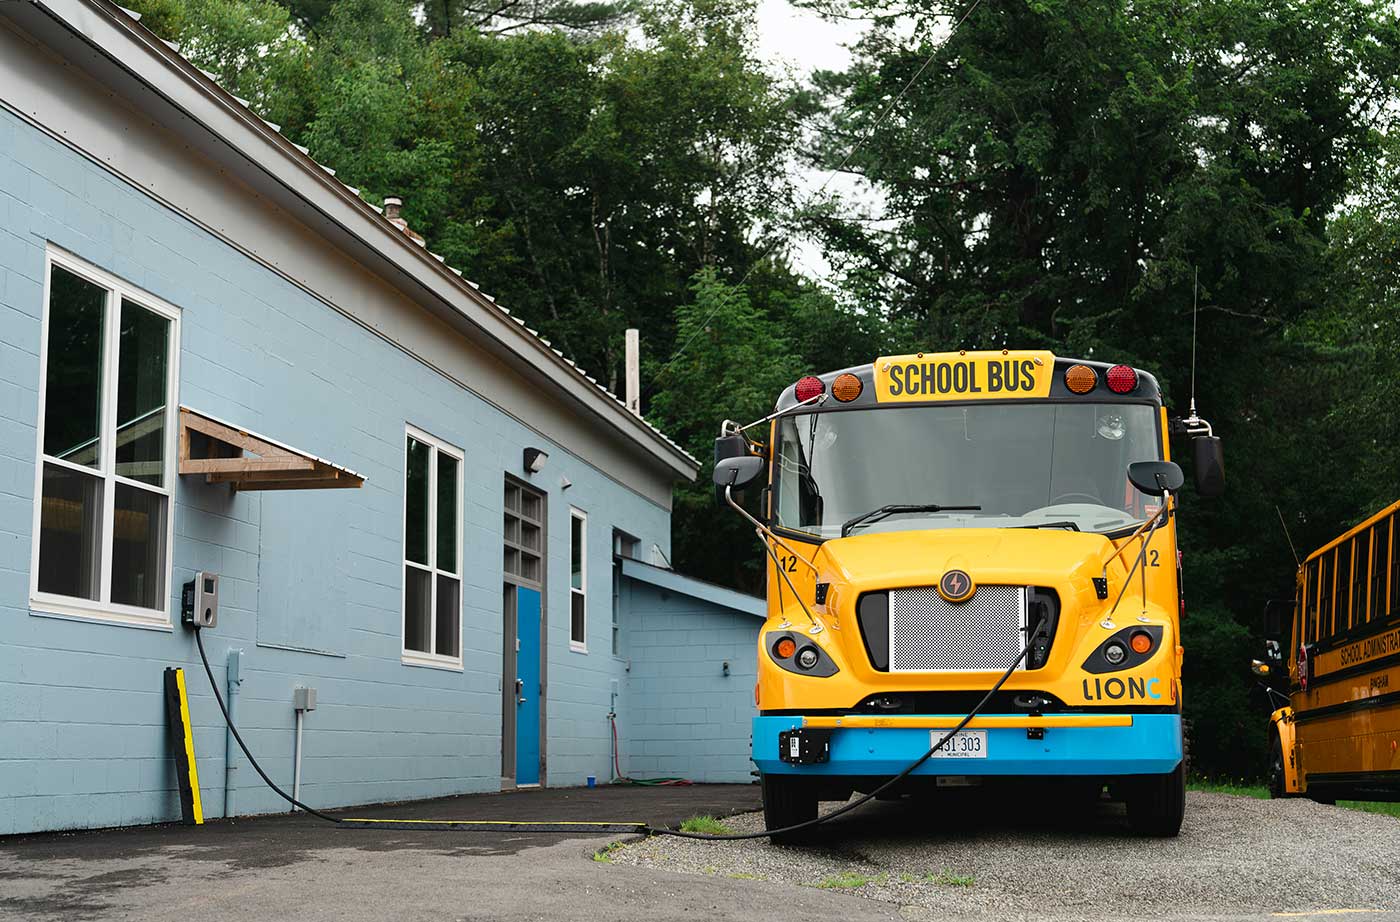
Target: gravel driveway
972	858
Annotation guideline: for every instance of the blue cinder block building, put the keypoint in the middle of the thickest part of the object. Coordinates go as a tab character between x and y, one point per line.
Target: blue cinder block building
215	357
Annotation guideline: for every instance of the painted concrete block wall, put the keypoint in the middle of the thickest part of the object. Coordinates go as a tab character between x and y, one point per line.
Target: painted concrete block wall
312	581
681	716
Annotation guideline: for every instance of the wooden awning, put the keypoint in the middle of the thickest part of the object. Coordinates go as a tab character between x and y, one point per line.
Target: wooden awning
221	452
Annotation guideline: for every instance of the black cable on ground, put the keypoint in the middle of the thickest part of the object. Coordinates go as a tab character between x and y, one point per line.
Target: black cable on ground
808	824
199	641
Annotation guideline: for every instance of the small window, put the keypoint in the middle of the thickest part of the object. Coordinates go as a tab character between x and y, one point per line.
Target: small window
1309	633
1380	544
1360	557
578	580
523	533
432	543
1325	596
106	466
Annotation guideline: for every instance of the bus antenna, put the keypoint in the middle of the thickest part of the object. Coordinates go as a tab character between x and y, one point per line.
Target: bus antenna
1287	535
1195	311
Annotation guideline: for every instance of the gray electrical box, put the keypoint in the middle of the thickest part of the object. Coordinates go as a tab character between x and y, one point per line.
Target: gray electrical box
304	699
199	603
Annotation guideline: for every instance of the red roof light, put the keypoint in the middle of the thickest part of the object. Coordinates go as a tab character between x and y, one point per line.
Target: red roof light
809	387
1122	379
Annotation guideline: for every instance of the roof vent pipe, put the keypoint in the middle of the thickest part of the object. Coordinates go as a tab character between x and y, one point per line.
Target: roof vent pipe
393	211
634	372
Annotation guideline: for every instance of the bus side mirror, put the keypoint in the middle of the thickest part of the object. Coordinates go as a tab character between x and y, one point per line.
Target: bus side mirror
1156	478
737	473
1275	611
1210	465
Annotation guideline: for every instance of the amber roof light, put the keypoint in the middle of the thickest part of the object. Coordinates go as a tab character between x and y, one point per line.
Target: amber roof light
846	387
1081	379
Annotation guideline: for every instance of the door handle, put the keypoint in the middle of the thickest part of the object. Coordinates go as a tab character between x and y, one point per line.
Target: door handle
520	687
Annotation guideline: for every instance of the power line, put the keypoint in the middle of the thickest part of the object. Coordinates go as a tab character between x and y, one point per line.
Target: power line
830	176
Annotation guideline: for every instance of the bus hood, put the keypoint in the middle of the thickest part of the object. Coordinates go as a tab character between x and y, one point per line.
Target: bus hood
1065	560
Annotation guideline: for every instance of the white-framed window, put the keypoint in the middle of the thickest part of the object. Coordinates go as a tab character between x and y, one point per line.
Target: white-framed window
432	551
108	373
578	580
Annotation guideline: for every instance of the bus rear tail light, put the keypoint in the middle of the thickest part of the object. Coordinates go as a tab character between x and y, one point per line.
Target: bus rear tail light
1122	379
1080	379
809	387
846	387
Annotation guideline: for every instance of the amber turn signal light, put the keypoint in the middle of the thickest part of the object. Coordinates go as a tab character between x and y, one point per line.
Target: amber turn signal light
784	648
846	387
1080	379
1141	642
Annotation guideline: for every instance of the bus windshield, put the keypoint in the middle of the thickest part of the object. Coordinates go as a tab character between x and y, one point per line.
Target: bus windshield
1026	465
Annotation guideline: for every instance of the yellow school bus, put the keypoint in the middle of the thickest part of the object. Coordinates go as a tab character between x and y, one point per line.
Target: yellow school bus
1339	734
937	520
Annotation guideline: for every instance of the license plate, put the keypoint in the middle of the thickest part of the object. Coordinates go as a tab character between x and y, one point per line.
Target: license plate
969	744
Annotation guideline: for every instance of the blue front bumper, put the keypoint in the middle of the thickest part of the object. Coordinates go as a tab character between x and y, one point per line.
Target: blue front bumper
1151	745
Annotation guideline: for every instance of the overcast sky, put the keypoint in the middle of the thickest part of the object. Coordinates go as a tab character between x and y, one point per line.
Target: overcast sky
805	42
803	39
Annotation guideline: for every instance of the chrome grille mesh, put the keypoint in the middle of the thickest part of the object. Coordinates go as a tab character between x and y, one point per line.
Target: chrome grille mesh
930	634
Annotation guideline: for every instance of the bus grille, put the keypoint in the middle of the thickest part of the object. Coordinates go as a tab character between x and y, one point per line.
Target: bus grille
930	634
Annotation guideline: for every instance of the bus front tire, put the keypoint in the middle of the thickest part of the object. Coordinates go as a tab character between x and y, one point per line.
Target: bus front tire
788	801
1277	784
1157	803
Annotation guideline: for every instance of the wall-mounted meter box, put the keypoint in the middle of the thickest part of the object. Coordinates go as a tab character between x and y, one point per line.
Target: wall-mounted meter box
199	603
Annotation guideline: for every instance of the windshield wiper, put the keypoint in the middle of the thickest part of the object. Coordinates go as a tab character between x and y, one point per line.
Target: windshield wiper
1069	525
875	515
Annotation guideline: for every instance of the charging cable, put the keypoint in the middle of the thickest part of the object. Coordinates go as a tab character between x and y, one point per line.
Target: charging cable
199	641
862	801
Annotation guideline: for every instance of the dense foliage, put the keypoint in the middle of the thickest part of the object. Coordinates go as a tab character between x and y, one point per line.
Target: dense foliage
1061	174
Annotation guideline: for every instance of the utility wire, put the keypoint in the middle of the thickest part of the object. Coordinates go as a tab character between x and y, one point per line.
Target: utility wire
829	177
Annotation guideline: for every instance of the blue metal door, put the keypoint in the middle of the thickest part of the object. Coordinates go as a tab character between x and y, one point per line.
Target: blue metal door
527	687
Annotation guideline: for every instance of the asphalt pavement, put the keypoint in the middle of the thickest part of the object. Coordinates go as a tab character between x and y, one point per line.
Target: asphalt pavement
1236	859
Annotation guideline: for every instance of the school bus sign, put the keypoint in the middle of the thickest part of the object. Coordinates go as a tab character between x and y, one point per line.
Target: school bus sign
925	377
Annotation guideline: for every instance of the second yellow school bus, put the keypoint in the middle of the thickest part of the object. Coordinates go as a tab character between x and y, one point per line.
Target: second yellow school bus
1339	736
934	521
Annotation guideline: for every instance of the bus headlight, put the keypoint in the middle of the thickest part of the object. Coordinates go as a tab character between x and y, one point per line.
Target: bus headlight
794	653
1114	654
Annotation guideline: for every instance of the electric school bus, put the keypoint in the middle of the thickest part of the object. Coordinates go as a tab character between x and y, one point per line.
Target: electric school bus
979	542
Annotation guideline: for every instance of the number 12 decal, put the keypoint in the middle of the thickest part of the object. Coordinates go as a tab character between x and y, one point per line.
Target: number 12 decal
788	562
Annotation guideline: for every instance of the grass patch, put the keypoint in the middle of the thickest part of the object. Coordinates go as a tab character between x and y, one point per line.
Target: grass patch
1258	791
1367	806
851	880
944	878
743	876
1238	788
604	854
707	825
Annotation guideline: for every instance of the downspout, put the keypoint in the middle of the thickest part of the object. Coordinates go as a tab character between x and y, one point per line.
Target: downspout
235	679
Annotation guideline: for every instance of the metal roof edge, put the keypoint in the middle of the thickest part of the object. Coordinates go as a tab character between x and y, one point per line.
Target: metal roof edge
713	593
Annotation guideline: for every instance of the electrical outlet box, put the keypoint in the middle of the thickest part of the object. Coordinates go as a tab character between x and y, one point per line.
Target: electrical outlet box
304	699
199	603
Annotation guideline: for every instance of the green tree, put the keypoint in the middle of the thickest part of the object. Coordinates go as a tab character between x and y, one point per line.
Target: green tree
1057	177
734	364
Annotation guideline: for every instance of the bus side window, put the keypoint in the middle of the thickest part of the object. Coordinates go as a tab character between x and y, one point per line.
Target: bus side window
1308	634
1394	605
1360	556
1324	594
1380	544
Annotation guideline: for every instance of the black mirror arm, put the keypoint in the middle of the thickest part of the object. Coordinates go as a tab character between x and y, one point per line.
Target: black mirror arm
764	535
